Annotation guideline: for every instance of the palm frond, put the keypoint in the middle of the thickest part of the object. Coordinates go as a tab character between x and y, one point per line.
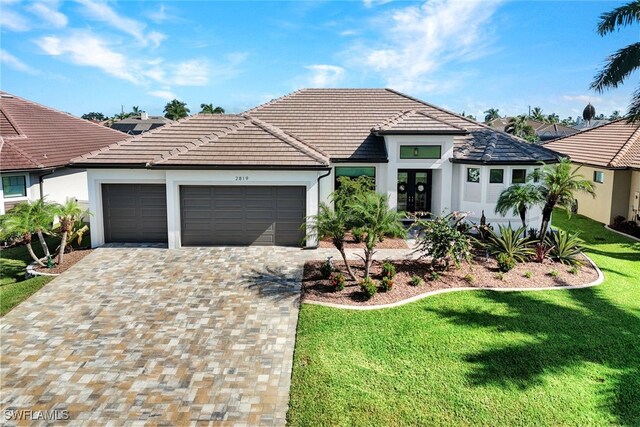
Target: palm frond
618	67
619	17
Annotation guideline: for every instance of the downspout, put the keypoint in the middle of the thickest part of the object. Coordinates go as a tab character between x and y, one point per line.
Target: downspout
319	178
41	182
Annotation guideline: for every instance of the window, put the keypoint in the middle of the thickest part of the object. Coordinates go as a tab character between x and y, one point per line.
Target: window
473	174
355	172
419	151
496	176
518	176
14	186
598	176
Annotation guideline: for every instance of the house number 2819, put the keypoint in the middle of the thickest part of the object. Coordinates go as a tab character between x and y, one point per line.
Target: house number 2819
242	178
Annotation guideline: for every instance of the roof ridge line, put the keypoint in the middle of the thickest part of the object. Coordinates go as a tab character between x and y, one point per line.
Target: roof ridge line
13	123
635	136
273	101
299	144
22	153
394	119
424	113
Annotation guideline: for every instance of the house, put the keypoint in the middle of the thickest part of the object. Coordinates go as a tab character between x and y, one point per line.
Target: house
252	178
545	131
36	144
609	155
135	125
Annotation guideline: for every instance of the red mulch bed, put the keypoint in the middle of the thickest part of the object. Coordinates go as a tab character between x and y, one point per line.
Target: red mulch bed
69	259
387	243
480	274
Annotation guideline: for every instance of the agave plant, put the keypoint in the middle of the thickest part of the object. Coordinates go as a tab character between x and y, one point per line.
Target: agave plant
513	243
565	247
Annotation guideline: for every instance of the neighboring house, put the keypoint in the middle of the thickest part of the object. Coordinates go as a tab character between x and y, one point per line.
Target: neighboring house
36	144
253	178
583	125
609	155
545	131
137	125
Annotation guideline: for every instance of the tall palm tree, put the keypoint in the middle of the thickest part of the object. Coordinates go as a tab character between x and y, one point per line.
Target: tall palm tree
519	126
536	114
210	109
43	214
622	63
615	115
68	214
491	114
558	183
518	199
552	118
176	110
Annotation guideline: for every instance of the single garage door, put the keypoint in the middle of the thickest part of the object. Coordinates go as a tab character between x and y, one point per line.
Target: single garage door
242	215
134	213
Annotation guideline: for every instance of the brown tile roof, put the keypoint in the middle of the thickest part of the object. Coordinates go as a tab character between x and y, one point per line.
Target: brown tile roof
415	122
36	137
206	140
614	145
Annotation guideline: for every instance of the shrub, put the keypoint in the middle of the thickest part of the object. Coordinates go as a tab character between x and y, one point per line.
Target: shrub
469	279
541	252
326	269
510	242
528	274
416	280
338	280
358	235
573	270
628	227
388	269
369	287
434	276
443	241
553	273
500	276
387	283
505	262
565	247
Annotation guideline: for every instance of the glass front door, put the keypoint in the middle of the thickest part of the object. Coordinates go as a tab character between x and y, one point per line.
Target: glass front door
414	190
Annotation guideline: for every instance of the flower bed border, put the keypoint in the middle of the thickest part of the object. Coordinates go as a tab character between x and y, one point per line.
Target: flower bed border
31	271
621	233
596	282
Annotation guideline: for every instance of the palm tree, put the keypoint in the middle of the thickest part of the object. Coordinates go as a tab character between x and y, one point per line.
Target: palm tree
552	118
209	109
536	114
373	216
557	184
333	224
519	126
622	63
176	110
23	221
519	198
43	214
491	114
615	115
68	214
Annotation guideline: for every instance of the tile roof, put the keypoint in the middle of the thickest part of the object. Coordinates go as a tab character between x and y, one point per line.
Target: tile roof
415	122
36	137
206	140
545	131
136	125
488	146
613	145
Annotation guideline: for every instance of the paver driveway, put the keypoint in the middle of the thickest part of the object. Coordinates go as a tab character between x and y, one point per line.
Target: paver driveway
148	335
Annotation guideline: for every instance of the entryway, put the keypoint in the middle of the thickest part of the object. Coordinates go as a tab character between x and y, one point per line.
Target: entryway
414	190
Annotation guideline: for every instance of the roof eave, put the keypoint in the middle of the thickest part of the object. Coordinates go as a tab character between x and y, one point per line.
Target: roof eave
195	167
419	132
503	162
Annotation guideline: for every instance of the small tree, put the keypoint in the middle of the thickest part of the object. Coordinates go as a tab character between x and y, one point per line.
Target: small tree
68	214
372	215
176	110
519	198
443	240
42	214
557	184
21	221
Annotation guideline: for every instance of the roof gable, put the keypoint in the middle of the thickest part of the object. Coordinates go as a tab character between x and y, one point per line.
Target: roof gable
416	122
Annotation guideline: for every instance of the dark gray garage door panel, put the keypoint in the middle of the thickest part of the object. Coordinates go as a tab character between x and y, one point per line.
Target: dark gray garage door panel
134	213
241	215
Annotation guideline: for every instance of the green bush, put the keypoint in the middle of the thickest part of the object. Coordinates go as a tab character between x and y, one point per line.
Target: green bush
338	280
388	269
326	269
387	283
469	279
565	247
528	274
444	240
505	262
416	280
573	270
358	235
500	276
513	243
368	287
553	273
434	276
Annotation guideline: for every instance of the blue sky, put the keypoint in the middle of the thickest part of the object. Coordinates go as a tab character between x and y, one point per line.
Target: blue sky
85	55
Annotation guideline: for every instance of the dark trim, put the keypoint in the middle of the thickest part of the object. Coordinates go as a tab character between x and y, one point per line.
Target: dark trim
370	160
41	182
503	162
33	170
196	167
422	132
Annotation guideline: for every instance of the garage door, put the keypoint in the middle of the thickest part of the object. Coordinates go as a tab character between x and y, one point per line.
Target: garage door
239	215
135	213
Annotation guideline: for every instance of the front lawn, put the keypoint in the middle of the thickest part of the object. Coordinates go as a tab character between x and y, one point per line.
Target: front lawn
481	358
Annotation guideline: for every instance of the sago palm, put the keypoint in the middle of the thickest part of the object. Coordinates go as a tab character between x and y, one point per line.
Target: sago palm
518	199
43	214
21	222
558	183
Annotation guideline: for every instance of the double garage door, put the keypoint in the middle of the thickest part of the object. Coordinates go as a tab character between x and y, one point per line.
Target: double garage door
209	215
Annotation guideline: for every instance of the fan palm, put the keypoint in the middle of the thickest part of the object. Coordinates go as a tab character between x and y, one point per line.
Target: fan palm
622	63
558	183
519	198
68	214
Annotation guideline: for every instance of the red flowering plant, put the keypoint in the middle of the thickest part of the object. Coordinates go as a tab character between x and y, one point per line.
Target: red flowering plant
337	280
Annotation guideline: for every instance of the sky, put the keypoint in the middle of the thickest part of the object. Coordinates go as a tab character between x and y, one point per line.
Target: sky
85	55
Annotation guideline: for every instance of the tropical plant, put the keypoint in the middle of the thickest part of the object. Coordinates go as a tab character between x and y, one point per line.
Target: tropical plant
23	221
557	184
615	115
505	262
93	116
43	213
520	127
386	284
416	280
368	287
332	224
210	109
338	280
350	189
518	199
388	269
565	247
372	214
176	110
443	241
536	114
552	118
510	242
622	63
68	214
541	251
491	114
469	278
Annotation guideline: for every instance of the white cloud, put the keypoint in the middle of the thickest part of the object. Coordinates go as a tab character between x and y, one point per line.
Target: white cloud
156	38
190	73
370	3
49	15
323	75
167	95
420	40
160	15
346	33
11	61
12	21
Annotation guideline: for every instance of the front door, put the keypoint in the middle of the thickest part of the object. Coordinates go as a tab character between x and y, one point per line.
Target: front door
414	190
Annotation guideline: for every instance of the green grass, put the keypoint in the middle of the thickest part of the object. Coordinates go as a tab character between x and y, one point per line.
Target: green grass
481	358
